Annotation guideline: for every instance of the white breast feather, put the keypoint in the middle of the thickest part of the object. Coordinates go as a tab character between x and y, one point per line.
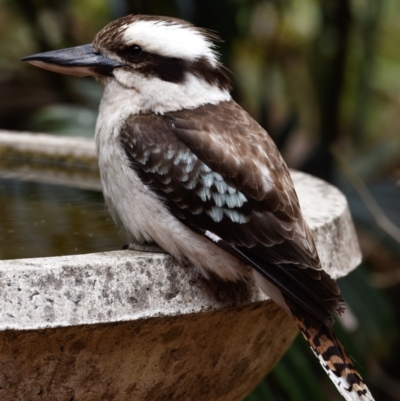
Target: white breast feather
141	213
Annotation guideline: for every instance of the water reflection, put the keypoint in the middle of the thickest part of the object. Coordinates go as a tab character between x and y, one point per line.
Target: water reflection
39	220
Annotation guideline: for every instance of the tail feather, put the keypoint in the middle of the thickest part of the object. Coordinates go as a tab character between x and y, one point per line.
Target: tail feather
333	357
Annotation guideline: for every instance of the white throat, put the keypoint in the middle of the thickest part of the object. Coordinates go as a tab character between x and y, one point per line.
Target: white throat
134	93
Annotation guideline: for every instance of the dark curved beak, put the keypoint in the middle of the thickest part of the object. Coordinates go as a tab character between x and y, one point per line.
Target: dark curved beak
80	61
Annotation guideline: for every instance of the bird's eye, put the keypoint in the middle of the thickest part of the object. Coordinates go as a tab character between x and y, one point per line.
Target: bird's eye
133	52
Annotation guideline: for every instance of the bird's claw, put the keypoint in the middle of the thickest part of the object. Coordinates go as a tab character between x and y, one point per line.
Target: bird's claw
146	247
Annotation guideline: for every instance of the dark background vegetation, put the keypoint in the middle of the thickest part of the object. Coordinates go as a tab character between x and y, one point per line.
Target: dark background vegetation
322	76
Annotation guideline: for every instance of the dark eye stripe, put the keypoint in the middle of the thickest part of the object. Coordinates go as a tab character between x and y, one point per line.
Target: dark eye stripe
173	69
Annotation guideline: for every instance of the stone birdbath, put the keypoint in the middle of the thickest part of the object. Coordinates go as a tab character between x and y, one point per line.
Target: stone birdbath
128	325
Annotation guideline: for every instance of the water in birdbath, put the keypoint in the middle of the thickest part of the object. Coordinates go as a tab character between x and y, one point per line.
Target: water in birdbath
38	220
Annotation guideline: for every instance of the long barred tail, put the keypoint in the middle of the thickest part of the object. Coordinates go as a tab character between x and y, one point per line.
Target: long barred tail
333	357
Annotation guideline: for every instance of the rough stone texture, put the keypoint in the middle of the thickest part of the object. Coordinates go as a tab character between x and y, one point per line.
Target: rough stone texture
326	211
107	287
132	326
44	147
206	356
61	160
126	285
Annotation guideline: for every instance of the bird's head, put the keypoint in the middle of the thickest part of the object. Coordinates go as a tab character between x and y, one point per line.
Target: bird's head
161	60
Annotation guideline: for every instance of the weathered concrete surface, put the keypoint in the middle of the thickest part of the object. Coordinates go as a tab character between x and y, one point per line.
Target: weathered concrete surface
44	148
70	161
107	287
124	285
326	211
131	326
206	356
162	337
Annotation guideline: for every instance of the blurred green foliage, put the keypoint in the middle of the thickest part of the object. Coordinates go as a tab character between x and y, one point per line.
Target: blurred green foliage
322	76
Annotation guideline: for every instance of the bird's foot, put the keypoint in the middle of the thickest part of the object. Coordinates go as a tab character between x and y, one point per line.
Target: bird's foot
193	275
145	247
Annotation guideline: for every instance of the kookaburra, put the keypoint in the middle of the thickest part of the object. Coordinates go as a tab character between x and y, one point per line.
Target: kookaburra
184	166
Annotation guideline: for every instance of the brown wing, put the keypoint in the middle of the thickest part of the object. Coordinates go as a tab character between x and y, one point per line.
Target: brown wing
218	171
